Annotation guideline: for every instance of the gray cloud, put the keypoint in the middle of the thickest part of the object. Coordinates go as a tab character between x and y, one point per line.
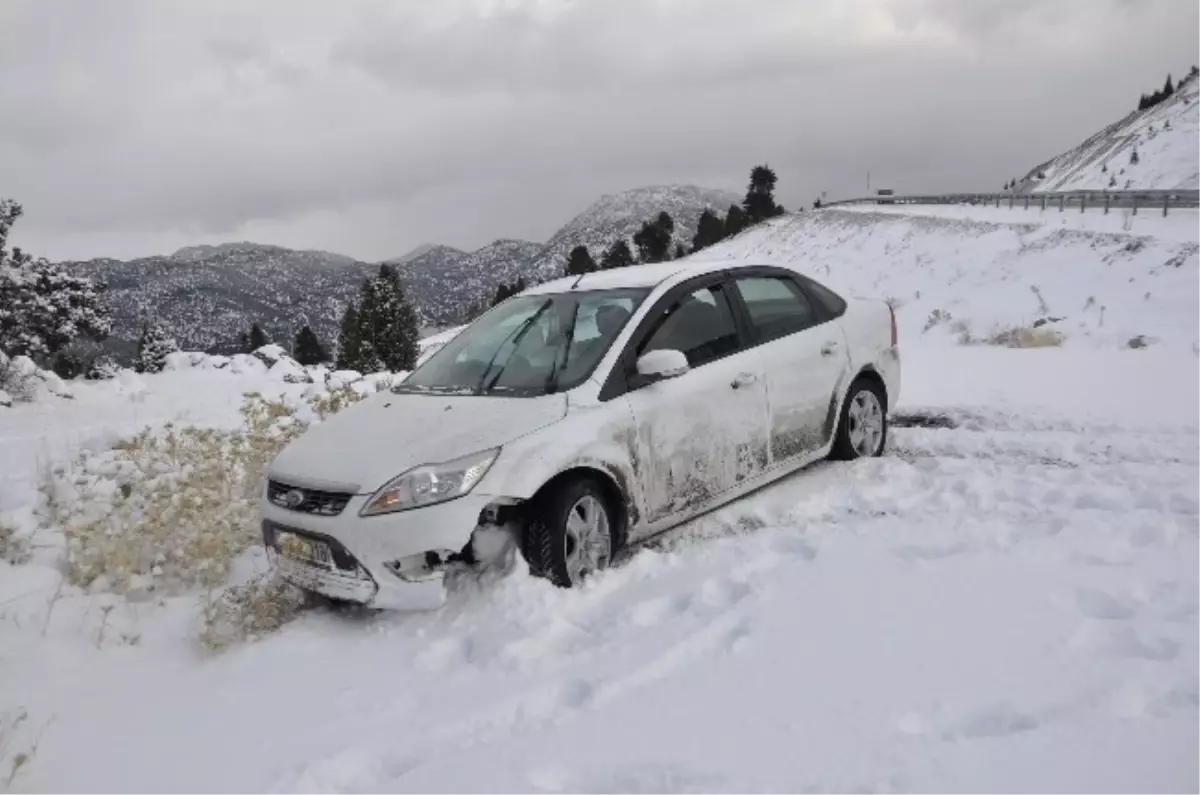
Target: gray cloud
367	126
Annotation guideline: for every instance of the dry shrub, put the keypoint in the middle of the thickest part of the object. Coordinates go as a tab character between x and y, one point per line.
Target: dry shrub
247	612
169	510
1014	337
14	548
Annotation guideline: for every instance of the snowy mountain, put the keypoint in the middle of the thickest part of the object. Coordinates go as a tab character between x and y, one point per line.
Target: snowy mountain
207	295
444	280
621	215
1165	139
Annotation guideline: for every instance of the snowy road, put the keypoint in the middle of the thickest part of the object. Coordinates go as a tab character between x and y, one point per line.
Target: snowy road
1006	604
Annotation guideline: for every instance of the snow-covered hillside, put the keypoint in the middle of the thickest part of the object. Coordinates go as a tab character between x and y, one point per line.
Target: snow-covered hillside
620	215
1165	137
1105	280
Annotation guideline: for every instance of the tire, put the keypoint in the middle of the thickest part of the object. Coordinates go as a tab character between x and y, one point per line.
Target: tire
569	534
864	395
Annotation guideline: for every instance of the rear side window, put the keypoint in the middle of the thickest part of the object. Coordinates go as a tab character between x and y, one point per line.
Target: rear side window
700	325
834	304
777	307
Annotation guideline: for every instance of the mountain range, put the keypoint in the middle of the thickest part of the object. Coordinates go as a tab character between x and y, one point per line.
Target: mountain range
207	296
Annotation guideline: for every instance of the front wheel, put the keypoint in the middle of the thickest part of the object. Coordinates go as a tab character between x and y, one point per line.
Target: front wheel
570	533
862	427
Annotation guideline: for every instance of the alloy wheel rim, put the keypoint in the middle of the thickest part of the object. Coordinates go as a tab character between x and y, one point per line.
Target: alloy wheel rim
587	543
866	423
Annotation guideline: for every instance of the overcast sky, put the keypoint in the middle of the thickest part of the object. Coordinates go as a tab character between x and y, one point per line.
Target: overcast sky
130	128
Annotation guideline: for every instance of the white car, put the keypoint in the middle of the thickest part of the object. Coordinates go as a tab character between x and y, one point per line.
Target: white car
588	412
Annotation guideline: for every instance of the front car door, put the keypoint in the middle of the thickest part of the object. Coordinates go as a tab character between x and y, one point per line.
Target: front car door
698	435
804	357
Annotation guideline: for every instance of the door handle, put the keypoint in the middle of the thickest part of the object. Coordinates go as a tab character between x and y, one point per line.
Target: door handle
829	348
743	379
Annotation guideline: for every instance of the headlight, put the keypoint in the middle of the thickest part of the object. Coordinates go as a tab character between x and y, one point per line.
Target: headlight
430	483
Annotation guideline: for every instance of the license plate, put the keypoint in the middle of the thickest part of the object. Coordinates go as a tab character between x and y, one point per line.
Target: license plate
304	549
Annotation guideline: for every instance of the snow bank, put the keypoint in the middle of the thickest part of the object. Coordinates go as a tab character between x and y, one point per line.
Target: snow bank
994	270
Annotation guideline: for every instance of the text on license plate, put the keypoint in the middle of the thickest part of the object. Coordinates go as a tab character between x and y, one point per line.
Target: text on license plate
305	549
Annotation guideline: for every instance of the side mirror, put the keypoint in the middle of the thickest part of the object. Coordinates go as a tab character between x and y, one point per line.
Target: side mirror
658	365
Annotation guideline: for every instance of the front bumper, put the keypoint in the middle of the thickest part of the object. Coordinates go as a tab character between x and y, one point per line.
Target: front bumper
377	560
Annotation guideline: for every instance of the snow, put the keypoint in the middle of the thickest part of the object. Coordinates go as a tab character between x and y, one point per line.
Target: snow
1165	137
1006	601
999	269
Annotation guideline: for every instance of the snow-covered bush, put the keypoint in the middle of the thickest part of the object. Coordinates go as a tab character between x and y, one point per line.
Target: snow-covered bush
1017	337
44	307
248	611
154	346
14	547
170	509
102	368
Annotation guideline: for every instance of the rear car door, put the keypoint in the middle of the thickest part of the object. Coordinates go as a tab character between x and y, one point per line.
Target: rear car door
804	358
698	435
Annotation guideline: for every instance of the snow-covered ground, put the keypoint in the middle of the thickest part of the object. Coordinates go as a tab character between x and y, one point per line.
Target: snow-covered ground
1009	604
1006	601
1106	280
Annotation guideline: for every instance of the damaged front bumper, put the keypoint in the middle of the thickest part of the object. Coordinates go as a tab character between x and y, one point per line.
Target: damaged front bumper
393	561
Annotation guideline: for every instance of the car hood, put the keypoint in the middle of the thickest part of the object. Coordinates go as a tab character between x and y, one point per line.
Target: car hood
362	447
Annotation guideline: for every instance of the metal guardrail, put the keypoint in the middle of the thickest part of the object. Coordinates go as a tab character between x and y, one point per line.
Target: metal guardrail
1062	200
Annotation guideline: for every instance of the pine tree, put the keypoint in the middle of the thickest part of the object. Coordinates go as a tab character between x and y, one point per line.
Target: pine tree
759	203
580	261
387	325
680	251
653	240
153	346
817	203
349	346
709	229
1168	88
618	255
735	221
307	349
43	307
256	339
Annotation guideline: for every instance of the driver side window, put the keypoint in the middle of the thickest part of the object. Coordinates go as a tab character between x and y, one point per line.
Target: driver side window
700	325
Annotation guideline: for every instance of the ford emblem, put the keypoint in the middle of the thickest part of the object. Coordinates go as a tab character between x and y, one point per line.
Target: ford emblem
293	499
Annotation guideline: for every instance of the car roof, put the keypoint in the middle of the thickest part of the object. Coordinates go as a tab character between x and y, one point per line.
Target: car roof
633	276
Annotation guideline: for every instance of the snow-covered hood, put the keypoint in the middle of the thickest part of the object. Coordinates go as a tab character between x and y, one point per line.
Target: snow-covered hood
367	444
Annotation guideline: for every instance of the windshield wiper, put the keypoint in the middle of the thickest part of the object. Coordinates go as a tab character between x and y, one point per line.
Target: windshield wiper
568	339
516	336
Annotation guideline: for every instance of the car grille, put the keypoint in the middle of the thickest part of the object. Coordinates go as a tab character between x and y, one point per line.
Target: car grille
322	503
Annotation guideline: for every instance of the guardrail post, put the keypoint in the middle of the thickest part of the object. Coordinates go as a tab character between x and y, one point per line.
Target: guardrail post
1082	202
1107	201
1026	201
1043	202
997	200
1135	204
1166	204
1062	203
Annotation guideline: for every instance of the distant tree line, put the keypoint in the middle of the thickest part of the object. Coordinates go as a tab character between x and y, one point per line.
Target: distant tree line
1150	100
654	241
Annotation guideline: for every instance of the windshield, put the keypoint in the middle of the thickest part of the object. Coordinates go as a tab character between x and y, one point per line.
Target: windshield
528	345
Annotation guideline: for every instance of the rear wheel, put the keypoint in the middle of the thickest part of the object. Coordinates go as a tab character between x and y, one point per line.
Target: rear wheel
862	427
569	535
